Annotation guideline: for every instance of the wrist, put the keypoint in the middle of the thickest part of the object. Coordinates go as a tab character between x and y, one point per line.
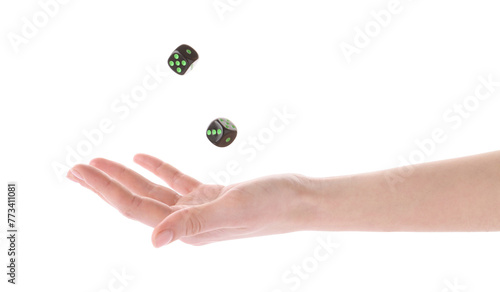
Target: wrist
320	202
339	204
353	203
316	207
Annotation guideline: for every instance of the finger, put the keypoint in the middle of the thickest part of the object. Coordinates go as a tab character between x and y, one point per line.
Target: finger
136	182
72	177
192	221
177	180
143	209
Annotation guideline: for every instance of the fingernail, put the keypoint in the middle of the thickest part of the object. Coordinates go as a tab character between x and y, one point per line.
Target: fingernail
77	174
70	176
163	238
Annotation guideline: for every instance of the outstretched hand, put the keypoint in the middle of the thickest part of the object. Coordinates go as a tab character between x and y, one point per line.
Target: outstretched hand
197	213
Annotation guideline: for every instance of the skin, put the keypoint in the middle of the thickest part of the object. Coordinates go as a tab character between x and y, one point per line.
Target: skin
461	194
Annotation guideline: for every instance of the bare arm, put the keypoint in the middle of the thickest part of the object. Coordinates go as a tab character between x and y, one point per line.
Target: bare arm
461	194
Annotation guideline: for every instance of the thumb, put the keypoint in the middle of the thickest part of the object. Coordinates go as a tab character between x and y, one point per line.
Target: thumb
191	221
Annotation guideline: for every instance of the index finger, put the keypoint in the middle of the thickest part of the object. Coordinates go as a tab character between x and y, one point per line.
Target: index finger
182	183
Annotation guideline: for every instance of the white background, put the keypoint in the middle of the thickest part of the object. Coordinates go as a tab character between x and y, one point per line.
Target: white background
350	117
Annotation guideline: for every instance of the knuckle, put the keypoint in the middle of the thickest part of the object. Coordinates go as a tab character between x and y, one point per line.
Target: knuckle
176	177
158	168
152	191
132	206
107	185
122	172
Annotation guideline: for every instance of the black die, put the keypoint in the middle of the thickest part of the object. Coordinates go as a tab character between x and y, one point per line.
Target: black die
182	59
221	132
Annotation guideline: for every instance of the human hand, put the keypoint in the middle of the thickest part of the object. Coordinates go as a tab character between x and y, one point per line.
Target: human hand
198	213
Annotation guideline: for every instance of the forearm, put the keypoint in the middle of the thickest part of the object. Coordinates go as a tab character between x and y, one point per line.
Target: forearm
461	194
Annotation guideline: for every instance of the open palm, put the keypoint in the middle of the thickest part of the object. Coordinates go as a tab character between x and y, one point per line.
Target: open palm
193	212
